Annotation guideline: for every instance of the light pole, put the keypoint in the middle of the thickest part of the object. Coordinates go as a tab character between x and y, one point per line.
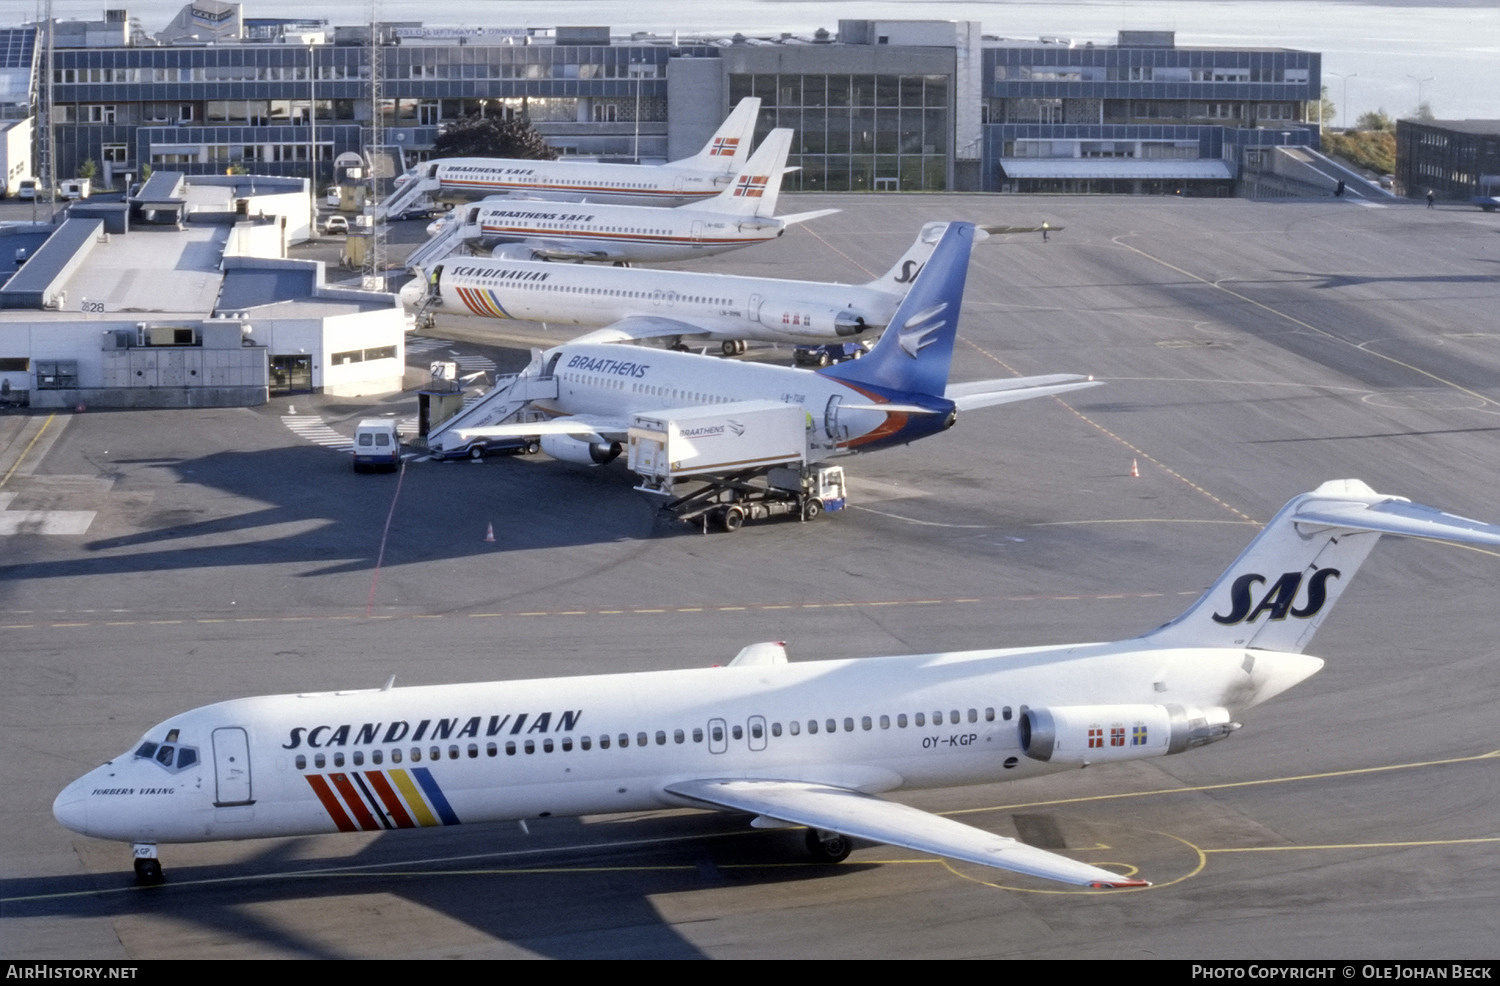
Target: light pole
1344	103
312	138
1420	83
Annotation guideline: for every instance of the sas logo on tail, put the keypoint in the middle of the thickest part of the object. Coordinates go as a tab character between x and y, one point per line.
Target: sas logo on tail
751	186
724	147
1279	600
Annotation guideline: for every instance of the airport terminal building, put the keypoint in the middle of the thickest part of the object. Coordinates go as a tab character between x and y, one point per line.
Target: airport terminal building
876	105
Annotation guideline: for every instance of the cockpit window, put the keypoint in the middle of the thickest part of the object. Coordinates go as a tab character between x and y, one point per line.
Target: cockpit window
173	758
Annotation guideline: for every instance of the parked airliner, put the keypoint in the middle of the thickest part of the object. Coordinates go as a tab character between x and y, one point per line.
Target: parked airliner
811	744
896	394
739	216
671	305
701	176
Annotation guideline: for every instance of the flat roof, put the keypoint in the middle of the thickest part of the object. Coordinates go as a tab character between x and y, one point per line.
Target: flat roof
1073	167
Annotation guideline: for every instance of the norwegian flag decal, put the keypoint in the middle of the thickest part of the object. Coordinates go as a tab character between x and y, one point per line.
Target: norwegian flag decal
751	186
724	147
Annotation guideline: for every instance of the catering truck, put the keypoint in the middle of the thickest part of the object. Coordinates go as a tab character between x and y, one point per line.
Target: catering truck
748	461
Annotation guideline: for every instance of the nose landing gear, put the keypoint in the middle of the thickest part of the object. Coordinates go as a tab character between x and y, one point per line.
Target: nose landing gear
147	866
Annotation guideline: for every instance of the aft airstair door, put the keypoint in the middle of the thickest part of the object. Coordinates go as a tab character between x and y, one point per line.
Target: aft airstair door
231	767
831	421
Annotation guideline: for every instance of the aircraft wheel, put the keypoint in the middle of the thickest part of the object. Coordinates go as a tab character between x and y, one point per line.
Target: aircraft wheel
476	451
811	508
740	346
729	347
734	519
828	848
532	448
148	872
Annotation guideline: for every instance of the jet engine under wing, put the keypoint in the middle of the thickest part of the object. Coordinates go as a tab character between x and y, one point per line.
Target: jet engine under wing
984	393
864	816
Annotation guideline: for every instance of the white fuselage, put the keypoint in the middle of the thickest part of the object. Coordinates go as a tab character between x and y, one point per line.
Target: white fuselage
617	382
719	306
431	755
464	179
618	233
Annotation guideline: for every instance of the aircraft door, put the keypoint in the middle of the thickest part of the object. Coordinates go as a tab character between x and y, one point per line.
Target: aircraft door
756	301
756	728
697	232
231	767
718	736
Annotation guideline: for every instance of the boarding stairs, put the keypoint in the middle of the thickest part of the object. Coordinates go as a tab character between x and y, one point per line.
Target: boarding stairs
507	400
405	197
451	238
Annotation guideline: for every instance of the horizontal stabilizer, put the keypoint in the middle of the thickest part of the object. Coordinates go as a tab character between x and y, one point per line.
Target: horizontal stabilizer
863	816
984	393
1394	515
802	217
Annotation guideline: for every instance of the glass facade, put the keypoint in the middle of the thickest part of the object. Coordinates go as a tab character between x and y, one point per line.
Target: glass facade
857	133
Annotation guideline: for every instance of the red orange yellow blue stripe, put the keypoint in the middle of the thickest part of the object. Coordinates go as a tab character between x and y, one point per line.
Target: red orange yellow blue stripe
374	800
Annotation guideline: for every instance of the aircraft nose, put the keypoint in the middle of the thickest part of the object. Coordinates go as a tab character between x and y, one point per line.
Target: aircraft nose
71	806
412	293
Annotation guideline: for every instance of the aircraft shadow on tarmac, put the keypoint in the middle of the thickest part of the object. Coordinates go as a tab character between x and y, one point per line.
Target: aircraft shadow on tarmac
569	890
305	504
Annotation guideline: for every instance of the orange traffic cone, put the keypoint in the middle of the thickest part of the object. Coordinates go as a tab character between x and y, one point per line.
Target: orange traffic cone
489	533
1135	469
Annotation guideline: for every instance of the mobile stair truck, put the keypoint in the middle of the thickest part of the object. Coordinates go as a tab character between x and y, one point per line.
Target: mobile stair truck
750	456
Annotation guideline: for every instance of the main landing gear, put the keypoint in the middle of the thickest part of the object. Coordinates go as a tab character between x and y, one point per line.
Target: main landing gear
733	347
828	847
147	866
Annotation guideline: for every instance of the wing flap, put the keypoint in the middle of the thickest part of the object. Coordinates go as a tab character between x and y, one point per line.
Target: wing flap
864	816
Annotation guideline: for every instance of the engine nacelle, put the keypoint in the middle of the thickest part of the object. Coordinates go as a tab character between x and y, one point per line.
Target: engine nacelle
813	321
1084	734
566	448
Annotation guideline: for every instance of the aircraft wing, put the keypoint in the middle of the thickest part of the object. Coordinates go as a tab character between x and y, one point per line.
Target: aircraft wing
636	327
863	816
548	250
581	425
983	393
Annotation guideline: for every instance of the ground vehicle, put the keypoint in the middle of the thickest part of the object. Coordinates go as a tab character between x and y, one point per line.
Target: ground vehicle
751	457
1488	198
76	188
30	188
481	447
835	352
377	444
336	224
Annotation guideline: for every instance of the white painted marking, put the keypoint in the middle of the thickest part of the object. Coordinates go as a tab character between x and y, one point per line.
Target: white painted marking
45	522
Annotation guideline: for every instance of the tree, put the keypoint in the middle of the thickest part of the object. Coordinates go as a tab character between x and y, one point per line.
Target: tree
1374	120
1424	112
88	169
476	136
1326	110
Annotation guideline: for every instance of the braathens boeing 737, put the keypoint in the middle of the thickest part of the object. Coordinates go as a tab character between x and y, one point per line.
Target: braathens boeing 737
896	394
672	306
701	176
739	216
810	743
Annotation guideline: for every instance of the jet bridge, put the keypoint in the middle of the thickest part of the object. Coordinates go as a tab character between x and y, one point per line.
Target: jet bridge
511	395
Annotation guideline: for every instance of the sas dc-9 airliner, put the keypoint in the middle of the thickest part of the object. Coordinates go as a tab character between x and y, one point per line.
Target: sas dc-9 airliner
810	744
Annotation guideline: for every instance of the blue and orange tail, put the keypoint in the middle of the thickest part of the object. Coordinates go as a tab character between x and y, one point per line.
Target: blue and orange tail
916	350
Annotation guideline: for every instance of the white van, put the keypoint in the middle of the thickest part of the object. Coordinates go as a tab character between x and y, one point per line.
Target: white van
377	445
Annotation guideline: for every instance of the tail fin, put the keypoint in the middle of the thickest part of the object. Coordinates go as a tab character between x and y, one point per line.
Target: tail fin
916	348
906	268
1277	593
727	148
754	189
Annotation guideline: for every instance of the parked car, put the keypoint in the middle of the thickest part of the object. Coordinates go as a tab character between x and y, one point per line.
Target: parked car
835	352
481	447
336	224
